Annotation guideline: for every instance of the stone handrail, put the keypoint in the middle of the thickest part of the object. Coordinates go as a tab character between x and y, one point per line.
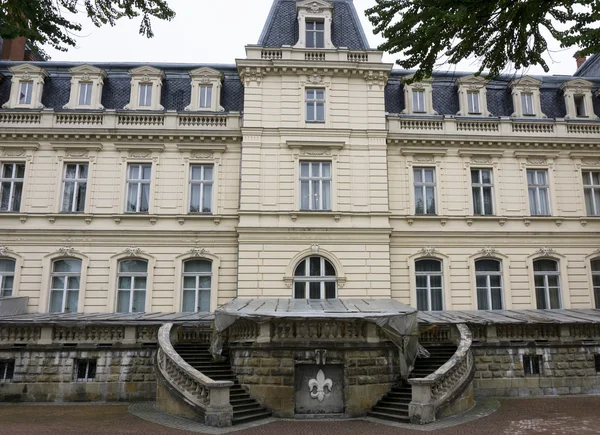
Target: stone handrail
434	391
197	390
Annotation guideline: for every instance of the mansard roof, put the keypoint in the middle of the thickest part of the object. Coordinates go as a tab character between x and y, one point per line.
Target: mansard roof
281	27
176	90
590	68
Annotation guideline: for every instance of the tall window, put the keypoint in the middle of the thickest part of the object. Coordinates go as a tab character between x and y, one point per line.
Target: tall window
201	185
315	34
580	109
7	277
488	274
196	286
539	192
424	190
527	104
132	279
429	285
85	94
418	96
315	105
591	191
483	192
596	281
11	187
315	278
138	188
65	282
74	187
473	102
206	96
547	284
25	92
315	186
145	95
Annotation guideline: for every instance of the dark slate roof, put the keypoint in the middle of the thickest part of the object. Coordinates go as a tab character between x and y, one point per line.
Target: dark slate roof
176	90
445	97
590	68
281	27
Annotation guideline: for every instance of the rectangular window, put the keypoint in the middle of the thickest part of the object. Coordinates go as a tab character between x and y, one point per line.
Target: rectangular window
315	34
206	96
145	95
201	188
418	96
85	94
85	370
483	192
473	102
527	104
580	109
315	105
597	363
591	191
532	364
539	192
424	190
25	92
7	369
11	186
315	186
74	188
138	188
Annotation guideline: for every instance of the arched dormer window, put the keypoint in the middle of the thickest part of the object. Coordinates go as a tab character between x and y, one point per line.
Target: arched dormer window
547	283
315	278
197	277
596	280
131	285
429	279
65	285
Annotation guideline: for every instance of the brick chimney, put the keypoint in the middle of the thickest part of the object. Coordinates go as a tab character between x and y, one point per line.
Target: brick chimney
580	60
14	49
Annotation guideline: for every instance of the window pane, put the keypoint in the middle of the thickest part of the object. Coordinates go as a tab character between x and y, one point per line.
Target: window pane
482	300
477	206
5	197
9	265
73	283
132	197
207	199
201	266
533	209
204	301
147	172
330	290
326	199
320	112
315	290
486	177
315	266
195	199
7	286
125	282
435	281
540	296
422	302
139	301
421	281
71	171
428	266
301	269
305	195
189	282
429	191
123	301
329	269
16	198
320	40
145	204
419	201
56	299
545	265
596	265
554	298
208	173
300	290
304	169
316	198
436	300
72	301
139	283
429	175
418	174
496	281
496	299
135	266
67	266
487	265
487	201
544	201
58	282
481	281
189	301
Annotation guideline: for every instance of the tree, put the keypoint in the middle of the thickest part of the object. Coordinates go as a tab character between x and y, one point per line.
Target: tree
44	21
496	32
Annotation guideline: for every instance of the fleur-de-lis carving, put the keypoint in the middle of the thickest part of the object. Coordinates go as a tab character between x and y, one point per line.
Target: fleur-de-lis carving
320	388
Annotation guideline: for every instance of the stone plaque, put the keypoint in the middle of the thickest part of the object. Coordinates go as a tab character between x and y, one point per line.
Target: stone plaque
319	389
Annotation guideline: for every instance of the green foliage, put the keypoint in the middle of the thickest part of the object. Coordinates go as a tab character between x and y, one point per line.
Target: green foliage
495	32
43	21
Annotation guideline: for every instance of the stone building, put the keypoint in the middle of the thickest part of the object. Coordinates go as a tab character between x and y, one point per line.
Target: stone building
307	170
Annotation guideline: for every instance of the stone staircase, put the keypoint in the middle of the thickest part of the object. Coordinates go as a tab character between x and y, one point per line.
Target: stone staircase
394	405
245	408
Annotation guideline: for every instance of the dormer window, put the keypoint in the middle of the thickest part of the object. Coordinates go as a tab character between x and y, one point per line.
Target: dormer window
418	97
146	87
526	97
25	91
472	96
315	34
145	95
580	109
206	90
578	99
86	88
85	94
527	104
27	84
473	102
418	100
205	96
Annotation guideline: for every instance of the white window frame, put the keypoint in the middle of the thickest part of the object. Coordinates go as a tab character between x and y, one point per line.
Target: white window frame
423	185
25	98
86	75
201	182
488	287
65	289
473	102
429	288
527	104
306	279
546	274
480	185
12	180
206	97
145	91
314	103
145	75
539	189
418	99
310	179
197	289
4	275
77	181
524	107
132	289
140	182
312	33
86	91
591	188
26	72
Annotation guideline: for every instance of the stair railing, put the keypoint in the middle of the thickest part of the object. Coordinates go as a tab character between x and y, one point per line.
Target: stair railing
432	392
195	388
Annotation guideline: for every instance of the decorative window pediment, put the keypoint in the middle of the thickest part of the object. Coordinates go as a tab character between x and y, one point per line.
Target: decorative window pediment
578	99
526	98
27	87
86	88
418	98
206	90
146	88
314	24
472	95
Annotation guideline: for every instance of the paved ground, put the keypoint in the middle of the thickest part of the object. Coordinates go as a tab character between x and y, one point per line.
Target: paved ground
567	415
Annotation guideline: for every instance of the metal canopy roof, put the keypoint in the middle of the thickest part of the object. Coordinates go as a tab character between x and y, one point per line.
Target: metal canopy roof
511	316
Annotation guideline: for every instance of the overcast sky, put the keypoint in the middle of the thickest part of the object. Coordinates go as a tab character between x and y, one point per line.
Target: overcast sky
216	32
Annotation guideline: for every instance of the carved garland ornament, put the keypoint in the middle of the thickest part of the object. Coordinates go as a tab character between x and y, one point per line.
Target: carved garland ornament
546	252
66	251
428	251
489	252
132	251
4	250
197	252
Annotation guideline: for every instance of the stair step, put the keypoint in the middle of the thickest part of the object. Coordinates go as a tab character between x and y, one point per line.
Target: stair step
242	401
237	415
388	410
387	416
393	404
247	407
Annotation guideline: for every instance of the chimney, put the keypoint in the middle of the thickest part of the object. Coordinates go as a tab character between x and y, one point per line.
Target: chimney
580	60
14	49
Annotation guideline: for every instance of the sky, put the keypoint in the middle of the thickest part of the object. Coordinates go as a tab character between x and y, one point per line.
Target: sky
215	32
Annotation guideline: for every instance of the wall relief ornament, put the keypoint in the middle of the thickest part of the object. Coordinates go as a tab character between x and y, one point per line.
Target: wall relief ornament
423	158
315	79
4	250
489	252
536	161
591	162
316	152
315	8
13	153
481	160
140	154
197	252
428	250
202	156
320	388
132	251
315	249
77	153
546	252
66	251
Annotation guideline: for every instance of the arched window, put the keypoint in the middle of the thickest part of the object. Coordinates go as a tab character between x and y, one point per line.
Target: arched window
64	287
429	285
196	286
488	276
547	284
596	280
131	285
7	276
315	278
